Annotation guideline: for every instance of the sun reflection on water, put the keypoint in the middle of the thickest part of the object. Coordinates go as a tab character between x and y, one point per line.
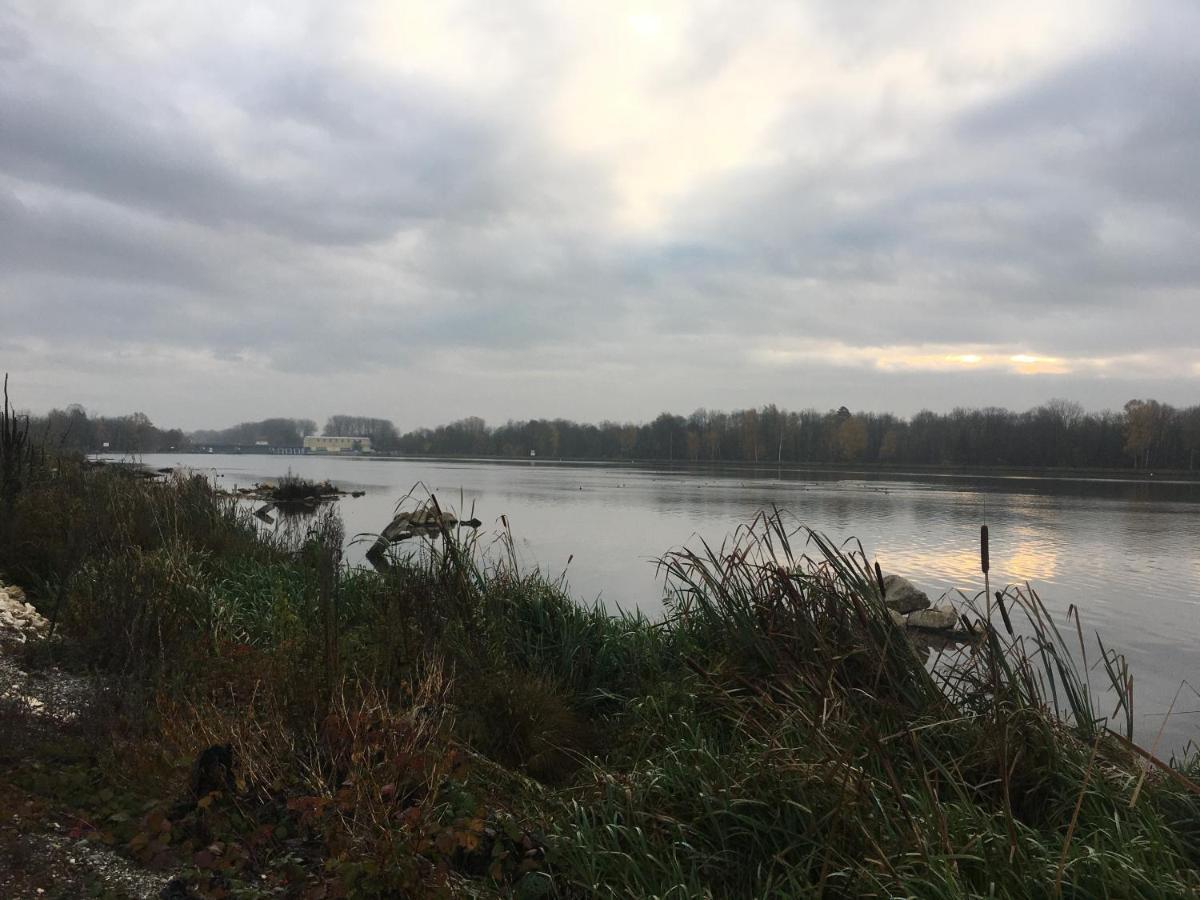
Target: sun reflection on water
1020	558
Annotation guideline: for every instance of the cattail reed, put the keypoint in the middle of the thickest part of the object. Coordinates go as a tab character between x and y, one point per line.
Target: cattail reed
985	563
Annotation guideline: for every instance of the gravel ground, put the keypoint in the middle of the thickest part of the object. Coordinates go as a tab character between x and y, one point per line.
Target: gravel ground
51	696
38	856
39	859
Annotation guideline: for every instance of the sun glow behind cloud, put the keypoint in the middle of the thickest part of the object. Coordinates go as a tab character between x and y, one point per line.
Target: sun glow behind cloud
667	118
1029	364
919	358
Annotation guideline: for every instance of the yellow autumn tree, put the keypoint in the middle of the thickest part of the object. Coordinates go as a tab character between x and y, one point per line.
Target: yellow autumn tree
1145	421
890	448
852	439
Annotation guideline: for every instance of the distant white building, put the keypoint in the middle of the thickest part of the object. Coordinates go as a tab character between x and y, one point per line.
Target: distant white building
332	444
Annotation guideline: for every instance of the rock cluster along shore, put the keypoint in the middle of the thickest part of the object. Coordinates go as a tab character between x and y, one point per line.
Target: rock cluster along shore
19	621
911	607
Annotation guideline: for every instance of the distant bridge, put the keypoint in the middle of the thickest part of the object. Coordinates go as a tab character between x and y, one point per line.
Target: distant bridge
248	449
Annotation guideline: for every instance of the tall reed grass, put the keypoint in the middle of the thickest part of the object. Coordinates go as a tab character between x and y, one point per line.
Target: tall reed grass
456	724
19	455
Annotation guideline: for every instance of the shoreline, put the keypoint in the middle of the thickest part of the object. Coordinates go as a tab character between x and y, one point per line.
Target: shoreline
456	725
884	473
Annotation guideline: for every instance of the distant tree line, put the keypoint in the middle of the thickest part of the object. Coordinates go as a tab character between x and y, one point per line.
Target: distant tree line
73	429
275	432
1060	434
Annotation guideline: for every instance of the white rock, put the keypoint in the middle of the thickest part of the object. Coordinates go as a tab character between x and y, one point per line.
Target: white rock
902	595
937	618
17	616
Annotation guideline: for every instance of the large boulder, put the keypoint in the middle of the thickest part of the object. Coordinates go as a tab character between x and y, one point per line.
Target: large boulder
902	595
937	618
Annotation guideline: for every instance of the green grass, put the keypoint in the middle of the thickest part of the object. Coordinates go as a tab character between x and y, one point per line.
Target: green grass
454	724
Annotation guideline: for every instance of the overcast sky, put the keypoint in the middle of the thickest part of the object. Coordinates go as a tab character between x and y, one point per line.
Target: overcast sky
218	211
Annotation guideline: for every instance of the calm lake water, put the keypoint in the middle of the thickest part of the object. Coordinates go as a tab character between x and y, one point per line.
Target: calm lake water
1127	554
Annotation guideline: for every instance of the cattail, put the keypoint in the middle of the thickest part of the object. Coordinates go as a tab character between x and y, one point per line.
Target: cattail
1004	613
984	563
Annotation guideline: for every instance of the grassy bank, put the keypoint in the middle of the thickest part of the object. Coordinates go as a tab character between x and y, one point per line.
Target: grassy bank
278	724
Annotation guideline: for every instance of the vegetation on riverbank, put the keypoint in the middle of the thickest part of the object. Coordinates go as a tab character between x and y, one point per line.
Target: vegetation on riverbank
1144	435
454	726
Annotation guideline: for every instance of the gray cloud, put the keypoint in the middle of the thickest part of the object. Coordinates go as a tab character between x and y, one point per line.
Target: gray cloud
183	207
363	163
1061	213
